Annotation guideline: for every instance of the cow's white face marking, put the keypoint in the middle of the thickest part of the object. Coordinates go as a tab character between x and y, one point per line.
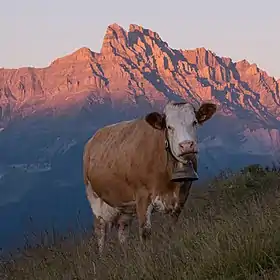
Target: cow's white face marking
181	124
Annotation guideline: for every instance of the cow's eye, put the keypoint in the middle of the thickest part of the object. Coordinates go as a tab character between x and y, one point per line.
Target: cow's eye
195	123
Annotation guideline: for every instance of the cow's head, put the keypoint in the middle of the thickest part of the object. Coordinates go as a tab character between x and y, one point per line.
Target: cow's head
181	120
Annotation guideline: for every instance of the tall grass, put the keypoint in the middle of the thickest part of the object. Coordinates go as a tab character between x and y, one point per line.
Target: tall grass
229	231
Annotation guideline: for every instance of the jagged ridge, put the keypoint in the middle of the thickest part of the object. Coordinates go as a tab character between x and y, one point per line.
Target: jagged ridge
138	65
139	62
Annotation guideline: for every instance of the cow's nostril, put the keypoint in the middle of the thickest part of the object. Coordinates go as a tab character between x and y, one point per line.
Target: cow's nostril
187	146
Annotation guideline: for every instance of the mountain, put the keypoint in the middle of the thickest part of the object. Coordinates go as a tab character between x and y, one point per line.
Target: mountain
47	114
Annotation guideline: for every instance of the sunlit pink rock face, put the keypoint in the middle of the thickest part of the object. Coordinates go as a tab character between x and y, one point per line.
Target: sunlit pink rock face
138	63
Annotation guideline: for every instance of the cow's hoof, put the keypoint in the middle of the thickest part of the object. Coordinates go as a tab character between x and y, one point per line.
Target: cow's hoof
145	233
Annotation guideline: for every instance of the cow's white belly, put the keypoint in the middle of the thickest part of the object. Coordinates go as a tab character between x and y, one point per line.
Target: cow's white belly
109	214
99	207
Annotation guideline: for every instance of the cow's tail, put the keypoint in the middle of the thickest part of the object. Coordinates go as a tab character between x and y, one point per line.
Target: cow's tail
86	161
86	165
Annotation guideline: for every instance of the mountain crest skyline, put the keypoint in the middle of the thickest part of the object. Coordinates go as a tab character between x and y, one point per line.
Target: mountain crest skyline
118	29
138	68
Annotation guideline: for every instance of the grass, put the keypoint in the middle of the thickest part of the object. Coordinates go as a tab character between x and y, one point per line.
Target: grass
229	231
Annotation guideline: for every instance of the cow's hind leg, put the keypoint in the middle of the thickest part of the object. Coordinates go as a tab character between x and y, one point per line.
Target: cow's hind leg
144	211
104	214
101	233
124	225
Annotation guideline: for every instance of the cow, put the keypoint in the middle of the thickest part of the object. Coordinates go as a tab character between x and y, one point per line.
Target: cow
135	167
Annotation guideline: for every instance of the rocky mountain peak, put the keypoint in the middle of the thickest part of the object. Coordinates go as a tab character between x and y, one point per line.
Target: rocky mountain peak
82	54
138	65
115	37
134	28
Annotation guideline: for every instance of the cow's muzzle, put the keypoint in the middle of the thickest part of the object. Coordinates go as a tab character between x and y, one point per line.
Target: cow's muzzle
187	147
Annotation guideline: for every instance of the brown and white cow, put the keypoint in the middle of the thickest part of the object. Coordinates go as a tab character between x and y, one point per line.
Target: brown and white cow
129	167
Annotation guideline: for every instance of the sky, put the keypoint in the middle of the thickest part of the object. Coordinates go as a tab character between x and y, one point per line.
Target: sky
36	32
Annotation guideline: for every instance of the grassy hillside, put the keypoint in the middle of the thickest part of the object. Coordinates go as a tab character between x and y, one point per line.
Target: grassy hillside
229	231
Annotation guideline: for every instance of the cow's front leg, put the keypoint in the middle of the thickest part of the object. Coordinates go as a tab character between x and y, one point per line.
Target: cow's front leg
184	192
144	211
100	231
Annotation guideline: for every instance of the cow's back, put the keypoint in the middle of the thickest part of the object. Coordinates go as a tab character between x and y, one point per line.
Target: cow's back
121	158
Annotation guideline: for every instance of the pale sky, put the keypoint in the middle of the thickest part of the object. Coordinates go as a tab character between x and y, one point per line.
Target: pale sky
35	32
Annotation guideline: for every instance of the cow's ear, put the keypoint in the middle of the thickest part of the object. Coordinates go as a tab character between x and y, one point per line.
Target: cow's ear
156	120
205	112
